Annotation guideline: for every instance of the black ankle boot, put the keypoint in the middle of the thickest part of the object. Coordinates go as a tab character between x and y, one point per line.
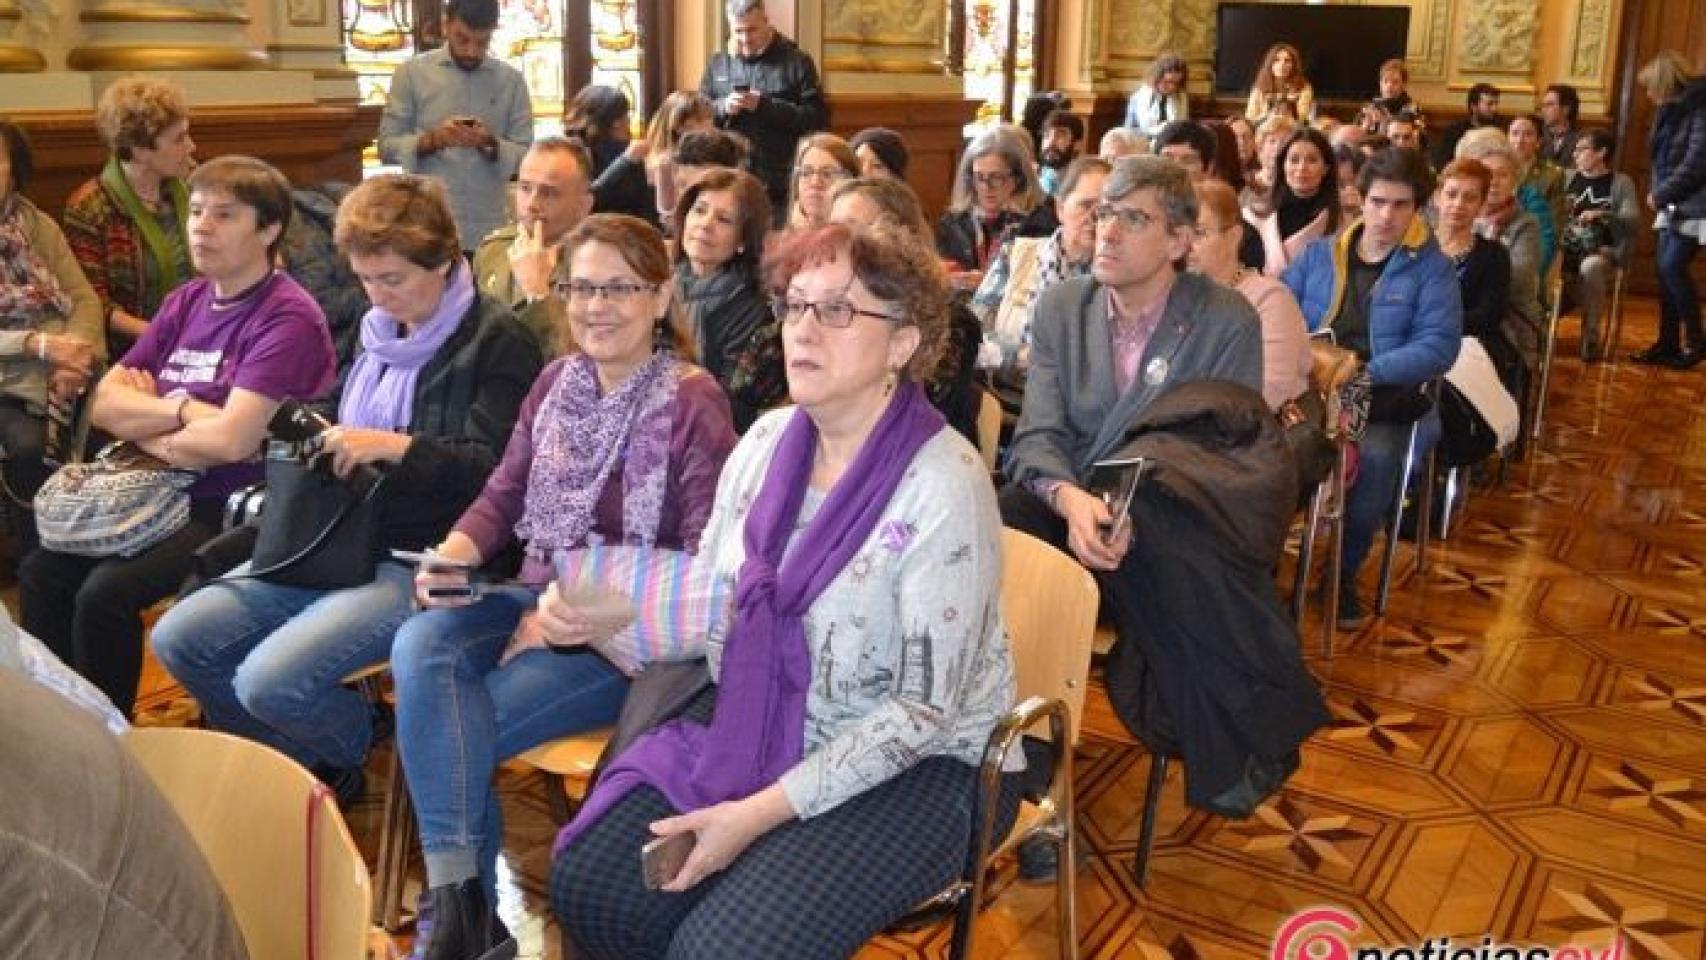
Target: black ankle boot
464	925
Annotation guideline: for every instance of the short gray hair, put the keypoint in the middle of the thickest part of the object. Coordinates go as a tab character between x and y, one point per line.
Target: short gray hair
1172	186
1125	140
735	9
1484	142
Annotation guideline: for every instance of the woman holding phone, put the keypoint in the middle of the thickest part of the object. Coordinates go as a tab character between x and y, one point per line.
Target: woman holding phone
429	398
621	443
859	656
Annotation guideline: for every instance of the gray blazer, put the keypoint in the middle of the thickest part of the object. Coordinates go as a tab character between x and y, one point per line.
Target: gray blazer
1073	414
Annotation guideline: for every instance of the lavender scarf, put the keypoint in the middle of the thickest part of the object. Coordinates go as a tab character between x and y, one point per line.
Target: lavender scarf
579	437
757	732
380	389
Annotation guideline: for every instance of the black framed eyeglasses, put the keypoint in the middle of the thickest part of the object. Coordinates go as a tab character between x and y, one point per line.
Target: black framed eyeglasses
835	314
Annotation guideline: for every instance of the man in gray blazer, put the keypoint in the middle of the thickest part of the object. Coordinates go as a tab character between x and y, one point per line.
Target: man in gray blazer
1104	347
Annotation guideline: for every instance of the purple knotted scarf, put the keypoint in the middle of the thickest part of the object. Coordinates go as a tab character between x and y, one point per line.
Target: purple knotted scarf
758	730
379	392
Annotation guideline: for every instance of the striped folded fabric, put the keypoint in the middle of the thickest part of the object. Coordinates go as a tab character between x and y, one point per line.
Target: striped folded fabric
672	600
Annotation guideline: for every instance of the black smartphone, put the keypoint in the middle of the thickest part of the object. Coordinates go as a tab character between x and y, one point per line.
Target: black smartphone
743	87
1115	482
663	857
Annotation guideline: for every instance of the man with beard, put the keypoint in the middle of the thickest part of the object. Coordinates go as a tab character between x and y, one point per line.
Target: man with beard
459	115
1062	133
1483	103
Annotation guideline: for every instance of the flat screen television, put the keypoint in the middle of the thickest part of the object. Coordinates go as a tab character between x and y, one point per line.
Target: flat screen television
1343	46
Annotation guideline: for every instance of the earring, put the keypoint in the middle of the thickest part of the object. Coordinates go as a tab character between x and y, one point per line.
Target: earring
890	381
660	334
739	251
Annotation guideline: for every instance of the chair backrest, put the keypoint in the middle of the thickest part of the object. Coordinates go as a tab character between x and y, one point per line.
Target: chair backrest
257	815
1049	602
988	428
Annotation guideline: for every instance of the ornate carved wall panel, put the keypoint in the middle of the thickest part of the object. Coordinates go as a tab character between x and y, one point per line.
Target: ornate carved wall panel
1499	36
1592	35
889	36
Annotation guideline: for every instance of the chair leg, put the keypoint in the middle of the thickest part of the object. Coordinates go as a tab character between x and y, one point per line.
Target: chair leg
1614	323
1151	807
1306	555
1546	346
396	839
1383	592
1335	555
1425	511
1451	488
556	797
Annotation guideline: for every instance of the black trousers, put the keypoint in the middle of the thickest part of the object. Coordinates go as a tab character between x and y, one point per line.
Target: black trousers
23	441
88	610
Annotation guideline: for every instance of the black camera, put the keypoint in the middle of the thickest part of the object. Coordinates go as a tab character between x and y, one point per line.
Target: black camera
295	432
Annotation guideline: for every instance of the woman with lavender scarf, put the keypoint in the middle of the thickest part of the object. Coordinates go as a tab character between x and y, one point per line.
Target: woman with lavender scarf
860	665
429	399
621	444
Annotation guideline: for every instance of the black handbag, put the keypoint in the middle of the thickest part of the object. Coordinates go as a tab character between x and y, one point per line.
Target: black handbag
318	530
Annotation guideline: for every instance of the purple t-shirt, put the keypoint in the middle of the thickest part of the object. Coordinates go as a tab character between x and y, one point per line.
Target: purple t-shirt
273	342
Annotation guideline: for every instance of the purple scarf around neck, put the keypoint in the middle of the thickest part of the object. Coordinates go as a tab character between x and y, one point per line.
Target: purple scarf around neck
757	732
380	389
582	436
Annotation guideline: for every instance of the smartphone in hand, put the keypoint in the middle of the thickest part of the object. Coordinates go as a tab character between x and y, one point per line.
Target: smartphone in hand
663	857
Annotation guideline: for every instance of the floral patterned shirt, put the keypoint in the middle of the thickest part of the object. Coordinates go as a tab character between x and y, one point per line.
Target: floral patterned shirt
909	655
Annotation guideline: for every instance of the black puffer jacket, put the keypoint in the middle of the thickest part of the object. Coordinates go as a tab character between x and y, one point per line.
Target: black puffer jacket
1679	153
729	315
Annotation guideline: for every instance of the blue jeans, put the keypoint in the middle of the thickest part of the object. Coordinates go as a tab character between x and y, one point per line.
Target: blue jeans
1380	457
1679	302
265	660
459	715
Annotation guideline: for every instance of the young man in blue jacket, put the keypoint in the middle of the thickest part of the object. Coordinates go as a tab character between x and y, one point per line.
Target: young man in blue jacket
1387	292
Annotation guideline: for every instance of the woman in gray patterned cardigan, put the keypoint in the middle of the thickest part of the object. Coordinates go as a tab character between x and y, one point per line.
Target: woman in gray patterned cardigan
859	656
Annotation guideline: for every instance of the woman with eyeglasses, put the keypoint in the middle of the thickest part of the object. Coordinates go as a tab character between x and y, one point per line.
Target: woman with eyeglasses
1214	254
821	161
858	655
994	190
720	225
430	399
619	443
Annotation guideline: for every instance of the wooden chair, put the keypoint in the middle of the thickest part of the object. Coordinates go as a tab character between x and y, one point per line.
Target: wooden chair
273	836
1049	603
567	763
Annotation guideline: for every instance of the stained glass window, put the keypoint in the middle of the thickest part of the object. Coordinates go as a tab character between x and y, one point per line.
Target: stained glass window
986	54
529	36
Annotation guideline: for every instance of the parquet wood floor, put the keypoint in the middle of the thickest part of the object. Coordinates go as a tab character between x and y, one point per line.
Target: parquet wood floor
1518	749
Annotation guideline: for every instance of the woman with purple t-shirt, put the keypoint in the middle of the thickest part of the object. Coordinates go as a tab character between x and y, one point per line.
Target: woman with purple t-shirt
621	443
196	391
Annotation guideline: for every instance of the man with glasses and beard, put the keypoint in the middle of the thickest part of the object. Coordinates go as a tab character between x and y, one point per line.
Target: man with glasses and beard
462	116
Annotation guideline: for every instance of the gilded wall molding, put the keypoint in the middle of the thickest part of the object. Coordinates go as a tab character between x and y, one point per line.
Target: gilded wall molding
1499	36
884	23
1431	64
1592	32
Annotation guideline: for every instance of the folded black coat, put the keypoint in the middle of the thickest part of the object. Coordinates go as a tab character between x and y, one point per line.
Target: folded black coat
1207	666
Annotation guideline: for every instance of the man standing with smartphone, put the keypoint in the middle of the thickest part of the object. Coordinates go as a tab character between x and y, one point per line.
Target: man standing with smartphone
459	115
767	90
